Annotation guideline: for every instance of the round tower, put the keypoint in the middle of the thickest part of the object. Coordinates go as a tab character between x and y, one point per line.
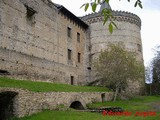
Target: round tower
128	33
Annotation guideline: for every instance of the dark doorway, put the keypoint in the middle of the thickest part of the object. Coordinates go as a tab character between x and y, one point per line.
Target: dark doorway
77	105
6	105
103	97
72	80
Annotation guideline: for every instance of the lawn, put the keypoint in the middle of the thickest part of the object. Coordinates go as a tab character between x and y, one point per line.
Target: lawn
143	103
136	105
47	87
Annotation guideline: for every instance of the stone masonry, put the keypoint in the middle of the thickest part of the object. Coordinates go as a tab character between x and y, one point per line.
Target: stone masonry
34	43
128	33
27	102
43	41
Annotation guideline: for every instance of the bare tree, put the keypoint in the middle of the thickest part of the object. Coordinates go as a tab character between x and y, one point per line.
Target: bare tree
115	67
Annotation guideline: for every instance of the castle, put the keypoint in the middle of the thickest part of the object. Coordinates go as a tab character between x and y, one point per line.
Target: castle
43	41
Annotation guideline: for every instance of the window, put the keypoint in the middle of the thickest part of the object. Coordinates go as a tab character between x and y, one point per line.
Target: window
69	32
89	68
69	54
139	47
30	14
79	57
72	80
78	37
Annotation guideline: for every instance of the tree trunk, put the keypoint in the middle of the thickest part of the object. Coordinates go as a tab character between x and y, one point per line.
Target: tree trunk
115	94
150	89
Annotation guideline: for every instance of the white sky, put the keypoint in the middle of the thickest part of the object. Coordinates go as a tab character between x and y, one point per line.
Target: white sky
150	16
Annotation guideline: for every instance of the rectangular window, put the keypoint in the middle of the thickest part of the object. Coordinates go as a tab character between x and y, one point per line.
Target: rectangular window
78	37
72	80
69	32
79	57
69	54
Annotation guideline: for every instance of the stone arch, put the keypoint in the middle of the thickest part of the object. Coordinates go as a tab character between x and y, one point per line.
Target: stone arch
77	105
7	104
77	102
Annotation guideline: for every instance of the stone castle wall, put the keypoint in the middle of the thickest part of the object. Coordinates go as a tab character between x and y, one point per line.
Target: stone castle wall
34	40
27	102
36	47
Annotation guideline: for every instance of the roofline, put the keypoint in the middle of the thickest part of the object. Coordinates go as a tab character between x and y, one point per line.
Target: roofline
65	11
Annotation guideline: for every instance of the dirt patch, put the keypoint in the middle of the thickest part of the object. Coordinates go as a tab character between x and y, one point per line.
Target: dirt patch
156	106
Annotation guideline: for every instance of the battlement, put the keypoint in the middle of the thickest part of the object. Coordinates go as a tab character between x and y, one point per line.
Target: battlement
118	15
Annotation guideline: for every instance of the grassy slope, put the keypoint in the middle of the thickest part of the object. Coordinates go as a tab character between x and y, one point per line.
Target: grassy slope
47	87
141	104
73	115
136	104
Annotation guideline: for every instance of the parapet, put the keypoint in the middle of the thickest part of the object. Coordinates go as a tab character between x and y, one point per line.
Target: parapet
118	16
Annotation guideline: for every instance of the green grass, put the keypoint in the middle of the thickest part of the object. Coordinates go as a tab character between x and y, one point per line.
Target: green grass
136	104
47	87
140	104
63	115
73	115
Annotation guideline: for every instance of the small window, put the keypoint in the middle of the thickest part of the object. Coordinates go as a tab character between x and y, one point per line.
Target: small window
139	47
69	32
78	37
30	14
72	80
69	54
79	57
89	68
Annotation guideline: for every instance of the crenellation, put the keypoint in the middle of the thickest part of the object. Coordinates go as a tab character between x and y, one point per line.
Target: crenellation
118	16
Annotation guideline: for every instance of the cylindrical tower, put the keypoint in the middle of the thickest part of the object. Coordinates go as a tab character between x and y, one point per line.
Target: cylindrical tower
128	33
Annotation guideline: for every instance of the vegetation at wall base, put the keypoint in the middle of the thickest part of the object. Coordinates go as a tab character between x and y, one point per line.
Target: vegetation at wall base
115	67
47	87
141	103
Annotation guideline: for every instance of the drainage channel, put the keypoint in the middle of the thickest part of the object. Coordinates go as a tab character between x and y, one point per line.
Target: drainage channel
100	110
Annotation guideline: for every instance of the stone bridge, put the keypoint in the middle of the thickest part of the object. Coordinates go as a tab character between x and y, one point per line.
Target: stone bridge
20	102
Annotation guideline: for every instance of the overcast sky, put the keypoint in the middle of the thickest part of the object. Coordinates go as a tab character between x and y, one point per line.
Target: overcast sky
150	16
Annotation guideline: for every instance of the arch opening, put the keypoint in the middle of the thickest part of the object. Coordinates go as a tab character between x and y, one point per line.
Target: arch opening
77	105
4	72
7	105
103	97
